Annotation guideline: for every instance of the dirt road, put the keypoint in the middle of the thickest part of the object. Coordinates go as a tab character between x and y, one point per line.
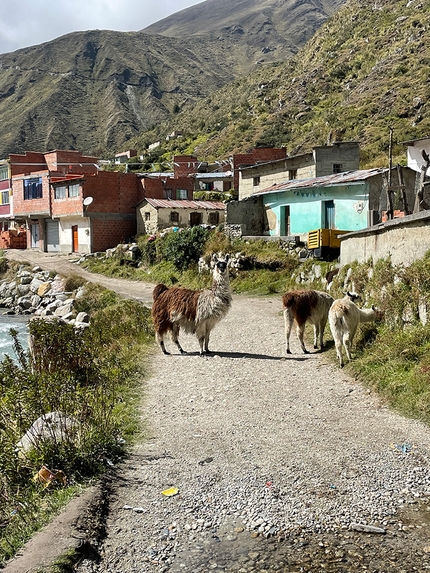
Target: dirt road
276	463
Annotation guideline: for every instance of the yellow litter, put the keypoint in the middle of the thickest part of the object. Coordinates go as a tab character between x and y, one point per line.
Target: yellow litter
170	492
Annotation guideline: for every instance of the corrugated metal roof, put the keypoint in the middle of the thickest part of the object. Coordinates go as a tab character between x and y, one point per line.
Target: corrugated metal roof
334	179
184	204
214	175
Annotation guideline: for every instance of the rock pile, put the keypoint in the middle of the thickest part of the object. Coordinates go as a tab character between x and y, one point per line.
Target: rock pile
36	293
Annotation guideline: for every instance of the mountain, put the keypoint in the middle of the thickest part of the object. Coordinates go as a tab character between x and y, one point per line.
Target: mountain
272	30
94	91
365	70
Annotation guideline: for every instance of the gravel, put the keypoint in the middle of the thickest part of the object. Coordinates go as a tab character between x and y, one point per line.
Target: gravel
278	461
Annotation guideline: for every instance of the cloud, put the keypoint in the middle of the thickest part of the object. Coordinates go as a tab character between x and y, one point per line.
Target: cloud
32	23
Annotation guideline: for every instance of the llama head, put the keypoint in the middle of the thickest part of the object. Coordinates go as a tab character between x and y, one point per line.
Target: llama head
352	295
221	265
379	314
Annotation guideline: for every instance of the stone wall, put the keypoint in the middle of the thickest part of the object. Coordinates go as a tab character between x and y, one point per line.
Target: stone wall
405	240
249	214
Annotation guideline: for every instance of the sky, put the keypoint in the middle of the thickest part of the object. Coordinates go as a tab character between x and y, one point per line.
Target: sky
31	22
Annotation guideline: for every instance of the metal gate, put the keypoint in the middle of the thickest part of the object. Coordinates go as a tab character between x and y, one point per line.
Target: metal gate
52	236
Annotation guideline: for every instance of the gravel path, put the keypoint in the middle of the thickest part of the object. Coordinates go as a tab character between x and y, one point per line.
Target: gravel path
281	464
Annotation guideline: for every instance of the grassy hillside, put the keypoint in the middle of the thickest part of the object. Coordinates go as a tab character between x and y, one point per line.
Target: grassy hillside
366	70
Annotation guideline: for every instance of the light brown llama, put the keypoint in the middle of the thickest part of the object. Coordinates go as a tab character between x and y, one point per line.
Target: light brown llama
195	311
304	306
344	317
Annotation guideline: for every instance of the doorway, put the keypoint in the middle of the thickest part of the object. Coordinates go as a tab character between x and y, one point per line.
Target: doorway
75	242
284	223
328	215
35	236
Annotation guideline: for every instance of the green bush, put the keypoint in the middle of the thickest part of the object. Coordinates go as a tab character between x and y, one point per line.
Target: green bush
185	247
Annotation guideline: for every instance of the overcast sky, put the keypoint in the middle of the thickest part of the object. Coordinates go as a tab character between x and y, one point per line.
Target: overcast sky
30	22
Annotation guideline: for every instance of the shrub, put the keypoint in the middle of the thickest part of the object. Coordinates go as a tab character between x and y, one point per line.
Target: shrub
185	247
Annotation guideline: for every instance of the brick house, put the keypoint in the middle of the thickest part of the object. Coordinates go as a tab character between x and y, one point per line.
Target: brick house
69	205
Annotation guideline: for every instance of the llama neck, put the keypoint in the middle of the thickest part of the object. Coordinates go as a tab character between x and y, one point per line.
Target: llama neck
221	285
366	314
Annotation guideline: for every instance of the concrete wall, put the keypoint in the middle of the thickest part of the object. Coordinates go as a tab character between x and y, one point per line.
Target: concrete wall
248	213
84	234
307	208
345	154
405	240
273	173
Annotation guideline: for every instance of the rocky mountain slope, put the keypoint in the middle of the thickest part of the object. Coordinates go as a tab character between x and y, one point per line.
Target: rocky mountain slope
365	70
95	90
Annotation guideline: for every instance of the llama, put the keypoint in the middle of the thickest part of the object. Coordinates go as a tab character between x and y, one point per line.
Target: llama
196	311
344	317
306	306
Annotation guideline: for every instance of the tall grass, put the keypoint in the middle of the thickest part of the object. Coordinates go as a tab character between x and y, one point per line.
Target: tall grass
93	378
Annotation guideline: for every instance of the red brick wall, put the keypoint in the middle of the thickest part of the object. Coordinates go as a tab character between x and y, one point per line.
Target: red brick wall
109	232
155	187
184	165
60	161
259	154
27	207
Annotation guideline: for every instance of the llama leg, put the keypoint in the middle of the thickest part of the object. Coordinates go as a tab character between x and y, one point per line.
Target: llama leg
175	335
300	334
338	345
159	338
207	333
347	345
316	335
322	328
288	323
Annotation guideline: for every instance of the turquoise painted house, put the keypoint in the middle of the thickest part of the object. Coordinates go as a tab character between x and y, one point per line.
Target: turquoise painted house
347	201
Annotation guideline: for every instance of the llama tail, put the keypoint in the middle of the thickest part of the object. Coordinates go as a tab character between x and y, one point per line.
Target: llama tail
160	288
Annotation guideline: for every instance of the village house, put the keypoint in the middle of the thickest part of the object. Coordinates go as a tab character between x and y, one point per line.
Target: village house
344	201
321	161
157	214
69	205
168	199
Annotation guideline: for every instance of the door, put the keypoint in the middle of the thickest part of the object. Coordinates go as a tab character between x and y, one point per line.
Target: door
328	215
52	236
35	235
75	243
195	219
284	223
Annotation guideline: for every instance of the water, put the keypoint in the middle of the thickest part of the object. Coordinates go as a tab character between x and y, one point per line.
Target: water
19	323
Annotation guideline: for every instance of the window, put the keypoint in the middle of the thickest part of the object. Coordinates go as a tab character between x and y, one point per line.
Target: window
292	174
33	189
167	193
4	172
74	190
147	216
5	197
208	186
60	192
174	217
256	181
213	218
337	168
181	194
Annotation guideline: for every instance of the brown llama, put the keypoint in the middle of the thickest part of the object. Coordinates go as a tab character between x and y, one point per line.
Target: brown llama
195	311
304	306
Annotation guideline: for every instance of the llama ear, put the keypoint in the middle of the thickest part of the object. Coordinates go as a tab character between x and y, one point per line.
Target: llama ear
373	307
227	258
